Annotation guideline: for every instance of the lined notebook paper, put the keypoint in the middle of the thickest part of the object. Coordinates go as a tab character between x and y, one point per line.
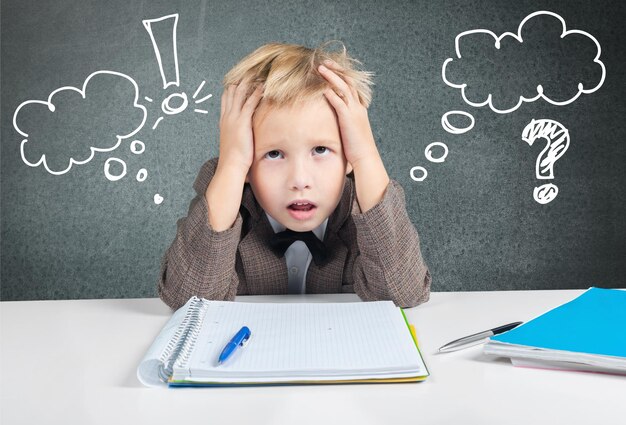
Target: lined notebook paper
290	343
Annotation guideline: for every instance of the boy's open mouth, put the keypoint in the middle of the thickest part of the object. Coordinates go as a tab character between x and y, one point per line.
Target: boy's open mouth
301	206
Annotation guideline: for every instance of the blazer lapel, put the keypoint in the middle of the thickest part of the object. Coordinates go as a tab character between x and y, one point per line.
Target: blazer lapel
265	273
329	279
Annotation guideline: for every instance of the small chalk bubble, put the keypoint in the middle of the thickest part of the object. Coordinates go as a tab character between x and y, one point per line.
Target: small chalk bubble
107	169
428	152
137	147
142	175
420	169
445	123
158	199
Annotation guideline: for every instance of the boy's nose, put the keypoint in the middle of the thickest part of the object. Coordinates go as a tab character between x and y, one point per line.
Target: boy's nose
299	177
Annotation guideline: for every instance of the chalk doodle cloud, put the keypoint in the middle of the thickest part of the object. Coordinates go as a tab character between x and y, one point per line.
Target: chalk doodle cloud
35	136
498	41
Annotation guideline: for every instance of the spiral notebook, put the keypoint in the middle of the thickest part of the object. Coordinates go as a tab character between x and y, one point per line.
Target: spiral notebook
291	343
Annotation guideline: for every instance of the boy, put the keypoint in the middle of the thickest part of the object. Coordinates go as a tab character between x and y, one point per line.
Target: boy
299	200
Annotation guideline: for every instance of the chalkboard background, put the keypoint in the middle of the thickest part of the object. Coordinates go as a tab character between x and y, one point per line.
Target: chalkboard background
79	235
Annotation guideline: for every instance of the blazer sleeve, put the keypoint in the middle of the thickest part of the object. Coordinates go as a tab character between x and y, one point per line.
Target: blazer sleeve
390	264
200	261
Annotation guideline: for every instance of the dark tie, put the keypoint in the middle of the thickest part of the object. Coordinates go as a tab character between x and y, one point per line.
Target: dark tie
279	242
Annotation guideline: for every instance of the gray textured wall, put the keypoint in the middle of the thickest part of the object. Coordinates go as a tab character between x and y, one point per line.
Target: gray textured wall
79	235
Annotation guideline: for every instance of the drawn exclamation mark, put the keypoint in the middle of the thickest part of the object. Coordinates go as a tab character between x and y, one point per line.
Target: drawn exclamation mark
164	30
162	33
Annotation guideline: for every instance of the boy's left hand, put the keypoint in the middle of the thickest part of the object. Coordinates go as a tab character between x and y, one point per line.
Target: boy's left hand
354	125
359	147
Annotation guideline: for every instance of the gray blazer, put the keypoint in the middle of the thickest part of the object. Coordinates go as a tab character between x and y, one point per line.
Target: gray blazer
375	254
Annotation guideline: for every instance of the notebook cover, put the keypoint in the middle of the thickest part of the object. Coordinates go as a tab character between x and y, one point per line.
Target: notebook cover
593	323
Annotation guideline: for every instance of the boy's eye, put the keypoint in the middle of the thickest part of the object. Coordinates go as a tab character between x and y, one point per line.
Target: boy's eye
273	155
321	150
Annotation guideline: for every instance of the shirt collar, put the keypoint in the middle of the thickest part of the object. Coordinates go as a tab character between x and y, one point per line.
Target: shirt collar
319	231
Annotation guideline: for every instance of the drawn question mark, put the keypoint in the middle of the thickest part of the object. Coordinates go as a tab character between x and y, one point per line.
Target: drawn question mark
557	142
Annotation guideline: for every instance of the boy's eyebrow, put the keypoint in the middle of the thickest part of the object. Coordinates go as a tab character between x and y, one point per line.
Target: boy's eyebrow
324	141
316	142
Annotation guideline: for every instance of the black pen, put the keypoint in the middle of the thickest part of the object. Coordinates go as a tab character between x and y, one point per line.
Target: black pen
474	339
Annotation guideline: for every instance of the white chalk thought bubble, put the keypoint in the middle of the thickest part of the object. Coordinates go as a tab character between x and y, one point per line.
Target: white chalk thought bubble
445	123
137	147
421	170
428	152
551	56
142	175
107	169
74	123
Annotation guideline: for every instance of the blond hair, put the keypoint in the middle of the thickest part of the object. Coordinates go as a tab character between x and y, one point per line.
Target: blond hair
289	73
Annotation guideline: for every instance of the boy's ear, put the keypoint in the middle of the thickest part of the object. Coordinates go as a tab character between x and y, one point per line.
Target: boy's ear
348	168
247	177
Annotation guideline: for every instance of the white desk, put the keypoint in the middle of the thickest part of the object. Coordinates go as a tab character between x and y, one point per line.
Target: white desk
104	340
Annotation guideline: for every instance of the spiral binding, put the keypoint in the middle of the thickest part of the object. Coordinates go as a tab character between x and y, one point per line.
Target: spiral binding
181	345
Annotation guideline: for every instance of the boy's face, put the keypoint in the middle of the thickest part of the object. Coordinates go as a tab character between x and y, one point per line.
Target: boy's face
298	170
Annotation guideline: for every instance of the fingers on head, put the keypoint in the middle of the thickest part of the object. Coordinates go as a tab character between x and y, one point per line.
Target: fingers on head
332	64
241	88
349	80
227	98
253	100
335	100
342	84
223	102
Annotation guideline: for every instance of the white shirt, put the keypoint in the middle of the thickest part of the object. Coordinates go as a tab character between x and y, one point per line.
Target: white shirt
298	257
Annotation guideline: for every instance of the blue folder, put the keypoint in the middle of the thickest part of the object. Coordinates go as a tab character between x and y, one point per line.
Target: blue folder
593	323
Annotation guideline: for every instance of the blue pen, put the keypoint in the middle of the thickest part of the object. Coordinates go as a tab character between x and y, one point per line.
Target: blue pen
237	341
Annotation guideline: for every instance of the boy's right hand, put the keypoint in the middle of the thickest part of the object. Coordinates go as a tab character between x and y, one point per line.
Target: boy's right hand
236	155
236	137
